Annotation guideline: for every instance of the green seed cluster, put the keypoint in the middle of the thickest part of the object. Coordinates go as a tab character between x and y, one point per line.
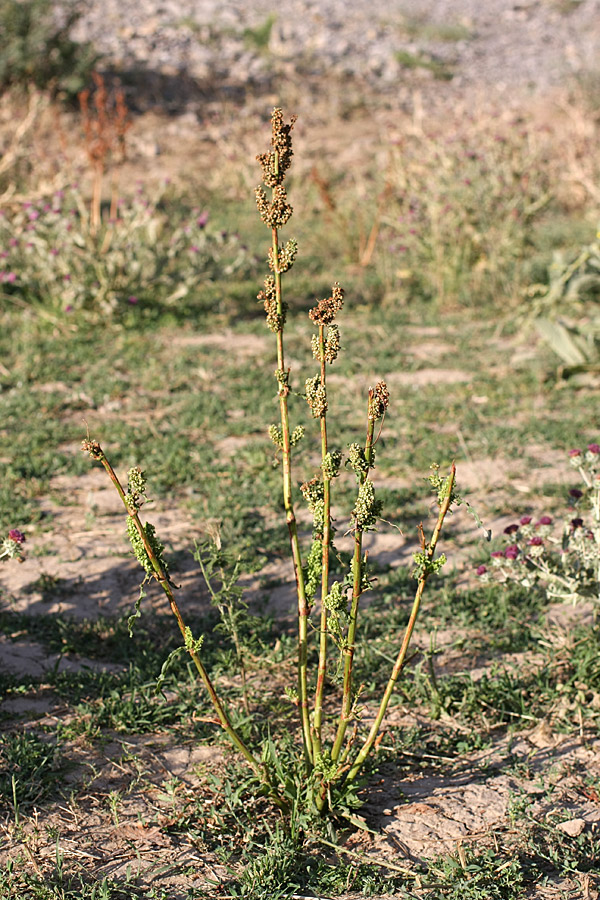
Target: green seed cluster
136	488
336	600
283	380
331	347
379	398
313	493
139	549
358	461
276	435
441	486
285	258
277	161
275	319
312	569
316	396
424	566
297	435
366	508
276	213
332	344
192	644
331	464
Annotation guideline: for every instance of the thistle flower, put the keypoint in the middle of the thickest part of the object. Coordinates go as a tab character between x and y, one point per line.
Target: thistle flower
511	552
511	529
11	548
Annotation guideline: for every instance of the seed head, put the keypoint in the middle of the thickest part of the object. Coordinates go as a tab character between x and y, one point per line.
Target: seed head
326	310
316	396
277	213
277	161
275	320
379	398
93	448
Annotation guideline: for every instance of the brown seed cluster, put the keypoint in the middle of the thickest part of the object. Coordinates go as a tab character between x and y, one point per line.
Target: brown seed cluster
276	163
93	448
379	398
326	310
277	213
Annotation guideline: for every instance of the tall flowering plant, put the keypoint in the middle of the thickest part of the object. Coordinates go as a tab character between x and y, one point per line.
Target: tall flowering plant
333	752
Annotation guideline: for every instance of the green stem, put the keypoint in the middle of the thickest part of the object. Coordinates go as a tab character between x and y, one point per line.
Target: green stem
163	580
399	664
326	544
291	520
357	573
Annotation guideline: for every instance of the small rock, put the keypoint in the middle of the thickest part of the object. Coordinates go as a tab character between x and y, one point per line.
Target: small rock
572	827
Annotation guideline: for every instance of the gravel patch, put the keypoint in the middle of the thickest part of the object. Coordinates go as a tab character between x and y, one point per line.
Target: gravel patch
531	44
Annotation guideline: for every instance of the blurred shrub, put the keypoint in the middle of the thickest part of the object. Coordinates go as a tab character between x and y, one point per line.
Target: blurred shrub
155	252
460	208
566	312
36	47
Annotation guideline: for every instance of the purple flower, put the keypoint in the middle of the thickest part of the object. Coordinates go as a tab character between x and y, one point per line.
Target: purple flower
481	570
525	520
202	219
54	252
13	242
194	249
510	529
545	520
497	554
17	536
511	552
133	300
576	523
575	493
66	277
68	308
594	448
574	452
536	541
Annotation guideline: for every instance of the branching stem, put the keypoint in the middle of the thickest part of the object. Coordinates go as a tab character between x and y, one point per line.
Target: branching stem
291	518
357	582
326	544
429	551
162	578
